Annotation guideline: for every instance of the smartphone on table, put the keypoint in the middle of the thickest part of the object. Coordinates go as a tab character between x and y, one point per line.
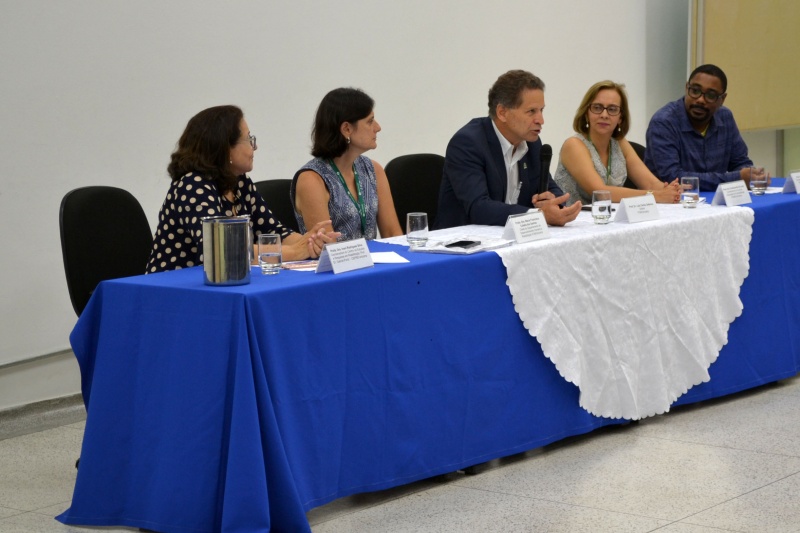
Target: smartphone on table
462	244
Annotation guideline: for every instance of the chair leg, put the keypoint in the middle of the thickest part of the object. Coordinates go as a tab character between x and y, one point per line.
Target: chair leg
473	470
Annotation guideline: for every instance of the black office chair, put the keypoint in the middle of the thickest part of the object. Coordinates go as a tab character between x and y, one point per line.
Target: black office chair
104	235
276	194
414	180
639	149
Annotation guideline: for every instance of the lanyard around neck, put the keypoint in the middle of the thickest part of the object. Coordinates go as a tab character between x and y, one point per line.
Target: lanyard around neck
608	167
362	210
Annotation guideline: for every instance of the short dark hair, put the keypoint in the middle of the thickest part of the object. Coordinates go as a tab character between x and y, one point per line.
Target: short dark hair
507	90
337	107
711	70
205	146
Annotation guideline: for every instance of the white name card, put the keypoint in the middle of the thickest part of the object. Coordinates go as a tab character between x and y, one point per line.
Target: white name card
637	209
345	256
526	227
732	193
792	183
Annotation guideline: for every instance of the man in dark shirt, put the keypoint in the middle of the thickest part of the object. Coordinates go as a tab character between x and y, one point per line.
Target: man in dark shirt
697	136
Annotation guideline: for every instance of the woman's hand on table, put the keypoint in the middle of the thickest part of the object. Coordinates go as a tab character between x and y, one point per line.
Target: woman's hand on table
670	193
297	247
318	237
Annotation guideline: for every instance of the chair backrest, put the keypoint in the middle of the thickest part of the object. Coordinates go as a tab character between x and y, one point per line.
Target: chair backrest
639	149
104	235
414	180
276	194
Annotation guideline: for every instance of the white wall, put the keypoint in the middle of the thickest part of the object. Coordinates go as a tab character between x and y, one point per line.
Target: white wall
98	92
763	149
667	42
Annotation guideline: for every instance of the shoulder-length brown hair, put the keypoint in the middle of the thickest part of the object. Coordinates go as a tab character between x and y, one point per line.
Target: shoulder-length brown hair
580	123
345	104
205	146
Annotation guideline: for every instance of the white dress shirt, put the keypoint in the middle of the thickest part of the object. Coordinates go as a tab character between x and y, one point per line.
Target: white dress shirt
511	155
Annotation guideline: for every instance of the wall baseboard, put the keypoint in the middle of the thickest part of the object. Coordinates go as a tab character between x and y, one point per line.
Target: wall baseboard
42	415
43	378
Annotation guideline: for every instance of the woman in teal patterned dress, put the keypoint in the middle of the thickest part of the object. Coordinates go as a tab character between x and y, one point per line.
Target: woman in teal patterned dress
341	184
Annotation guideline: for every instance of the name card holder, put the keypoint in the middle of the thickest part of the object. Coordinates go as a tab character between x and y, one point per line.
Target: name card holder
344	257
792	184
526	227
732	193
637	209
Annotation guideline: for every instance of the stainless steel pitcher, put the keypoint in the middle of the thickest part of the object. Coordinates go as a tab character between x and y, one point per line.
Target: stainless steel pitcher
227	243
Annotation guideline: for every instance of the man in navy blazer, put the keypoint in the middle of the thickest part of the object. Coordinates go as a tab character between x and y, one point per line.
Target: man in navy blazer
492	165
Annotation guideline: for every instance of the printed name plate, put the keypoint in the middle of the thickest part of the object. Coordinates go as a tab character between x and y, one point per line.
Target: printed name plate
792	183
637	209
345	256
526	227
732	193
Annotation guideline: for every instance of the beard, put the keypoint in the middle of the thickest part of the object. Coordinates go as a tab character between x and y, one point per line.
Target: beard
700	113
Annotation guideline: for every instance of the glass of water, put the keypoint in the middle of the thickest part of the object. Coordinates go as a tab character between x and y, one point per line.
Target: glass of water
759	179
269	253
690	191
601	207
417	229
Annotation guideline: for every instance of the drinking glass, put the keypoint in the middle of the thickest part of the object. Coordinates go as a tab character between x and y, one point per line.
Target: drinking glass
690	191
601	207
269	253
417	229
759	178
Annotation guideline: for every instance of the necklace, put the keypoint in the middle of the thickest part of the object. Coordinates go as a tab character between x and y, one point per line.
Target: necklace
234	203
362	210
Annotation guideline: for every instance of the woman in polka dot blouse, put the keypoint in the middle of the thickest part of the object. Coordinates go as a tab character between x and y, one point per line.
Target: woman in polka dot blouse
209	178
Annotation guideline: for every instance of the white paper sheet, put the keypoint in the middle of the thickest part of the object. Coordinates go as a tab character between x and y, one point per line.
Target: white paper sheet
388	257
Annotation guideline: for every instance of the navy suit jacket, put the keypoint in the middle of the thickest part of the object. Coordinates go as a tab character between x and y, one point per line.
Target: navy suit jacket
474	181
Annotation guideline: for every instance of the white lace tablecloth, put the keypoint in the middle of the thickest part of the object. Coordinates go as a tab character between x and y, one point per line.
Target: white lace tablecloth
634	314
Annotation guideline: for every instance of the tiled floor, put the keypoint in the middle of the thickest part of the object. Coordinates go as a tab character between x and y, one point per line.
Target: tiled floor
731	464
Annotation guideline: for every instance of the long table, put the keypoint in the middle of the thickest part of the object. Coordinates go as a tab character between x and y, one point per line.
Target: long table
240	408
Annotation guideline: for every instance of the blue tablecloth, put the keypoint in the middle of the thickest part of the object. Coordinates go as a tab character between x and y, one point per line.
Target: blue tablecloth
240	408
764	343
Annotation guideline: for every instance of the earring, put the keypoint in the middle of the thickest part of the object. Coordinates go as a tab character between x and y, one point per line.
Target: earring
347	140
587	125
230	161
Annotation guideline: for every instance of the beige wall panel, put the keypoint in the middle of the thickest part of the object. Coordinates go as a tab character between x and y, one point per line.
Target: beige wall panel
757	44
